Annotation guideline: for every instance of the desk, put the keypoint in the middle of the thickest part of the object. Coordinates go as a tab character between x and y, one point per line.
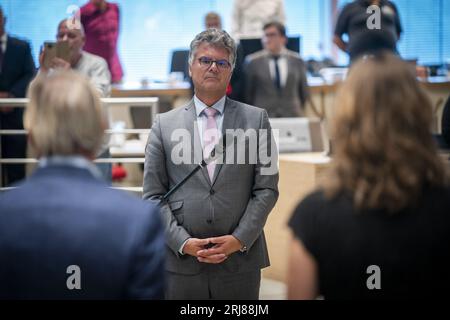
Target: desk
318	87
299	175
322	93
172	91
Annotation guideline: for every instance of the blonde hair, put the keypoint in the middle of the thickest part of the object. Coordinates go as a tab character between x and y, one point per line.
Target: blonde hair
384	151
64	115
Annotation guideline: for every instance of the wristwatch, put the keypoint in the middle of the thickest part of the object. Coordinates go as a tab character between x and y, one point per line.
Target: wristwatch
243	249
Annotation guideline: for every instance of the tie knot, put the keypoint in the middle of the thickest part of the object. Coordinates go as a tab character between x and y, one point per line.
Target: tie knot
275	58
210	112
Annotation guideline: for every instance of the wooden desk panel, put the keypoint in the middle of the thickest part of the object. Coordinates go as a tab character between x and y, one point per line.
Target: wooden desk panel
299	175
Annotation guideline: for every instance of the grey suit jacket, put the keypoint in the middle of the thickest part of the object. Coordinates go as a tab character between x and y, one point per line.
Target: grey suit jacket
262	92
237	201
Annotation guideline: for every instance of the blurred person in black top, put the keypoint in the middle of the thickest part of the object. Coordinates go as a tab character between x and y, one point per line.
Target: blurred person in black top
363	37
381	219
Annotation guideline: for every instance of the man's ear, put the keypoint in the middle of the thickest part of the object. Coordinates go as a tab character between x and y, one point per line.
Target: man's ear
190	72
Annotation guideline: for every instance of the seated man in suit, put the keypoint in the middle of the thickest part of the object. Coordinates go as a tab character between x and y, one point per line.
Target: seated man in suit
276	76
214	222
63	233
16	71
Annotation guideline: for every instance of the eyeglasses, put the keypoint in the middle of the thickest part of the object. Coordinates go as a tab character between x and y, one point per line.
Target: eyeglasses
271	35
206	62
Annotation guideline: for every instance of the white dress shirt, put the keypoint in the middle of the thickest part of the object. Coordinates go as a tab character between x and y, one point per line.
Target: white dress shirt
96	70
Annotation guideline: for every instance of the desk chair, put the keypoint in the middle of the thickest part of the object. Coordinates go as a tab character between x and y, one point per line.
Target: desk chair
180	62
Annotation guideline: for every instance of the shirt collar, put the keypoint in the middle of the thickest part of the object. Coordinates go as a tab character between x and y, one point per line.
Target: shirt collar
71	161
200	106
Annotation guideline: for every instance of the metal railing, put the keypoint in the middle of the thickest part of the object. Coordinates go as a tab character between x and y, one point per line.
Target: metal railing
148	102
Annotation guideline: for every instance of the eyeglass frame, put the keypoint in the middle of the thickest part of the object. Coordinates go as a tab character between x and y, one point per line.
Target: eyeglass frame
210	62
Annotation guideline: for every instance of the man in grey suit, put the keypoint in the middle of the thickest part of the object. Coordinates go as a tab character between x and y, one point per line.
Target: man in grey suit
276	76
214	222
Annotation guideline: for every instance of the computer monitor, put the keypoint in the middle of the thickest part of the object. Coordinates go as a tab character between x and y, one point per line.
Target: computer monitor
180	63
298	134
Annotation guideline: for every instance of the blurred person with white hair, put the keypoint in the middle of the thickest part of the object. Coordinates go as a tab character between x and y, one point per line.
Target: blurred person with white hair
90	65
64	234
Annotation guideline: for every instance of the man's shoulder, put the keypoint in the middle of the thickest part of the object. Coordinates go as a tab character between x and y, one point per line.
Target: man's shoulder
256	56
174	118
177	112
18	42
83	188
293	54
94	59
244	108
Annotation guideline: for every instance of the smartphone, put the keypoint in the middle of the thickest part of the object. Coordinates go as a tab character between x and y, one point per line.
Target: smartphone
55	50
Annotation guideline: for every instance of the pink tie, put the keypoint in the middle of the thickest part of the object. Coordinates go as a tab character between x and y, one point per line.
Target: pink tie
210	138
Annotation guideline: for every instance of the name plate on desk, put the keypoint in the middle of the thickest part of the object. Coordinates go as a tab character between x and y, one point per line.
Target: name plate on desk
297	134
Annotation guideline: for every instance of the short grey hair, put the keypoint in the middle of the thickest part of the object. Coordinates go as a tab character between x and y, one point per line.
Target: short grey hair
73	25
64	115
216	38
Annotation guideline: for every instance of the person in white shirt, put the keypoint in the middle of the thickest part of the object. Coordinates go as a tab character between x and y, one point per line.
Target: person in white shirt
249	17
93	67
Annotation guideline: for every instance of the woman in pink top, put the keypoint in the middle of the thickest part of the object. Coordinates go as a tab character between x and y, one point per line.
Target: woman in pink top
101	23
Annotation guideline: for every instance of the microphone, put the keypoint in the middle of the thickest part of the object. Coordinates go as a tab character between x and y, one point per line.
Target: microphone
218	151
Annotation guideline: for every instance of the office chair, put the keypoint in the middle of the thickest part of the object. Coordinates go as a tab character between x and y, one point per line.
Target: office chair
180	62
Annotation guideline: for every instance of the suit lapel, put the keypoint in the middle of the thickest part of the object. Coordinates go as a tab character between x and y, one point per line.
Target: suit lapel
289	78
8	56
229	120
190	122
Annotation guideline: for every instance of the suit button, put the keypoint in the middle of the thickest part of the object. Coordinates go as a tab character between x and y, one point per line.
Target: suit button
209	221
211	192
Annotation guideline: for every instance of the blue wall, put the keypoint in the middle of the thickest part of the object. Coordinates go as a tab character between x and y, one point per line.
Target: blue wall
151	29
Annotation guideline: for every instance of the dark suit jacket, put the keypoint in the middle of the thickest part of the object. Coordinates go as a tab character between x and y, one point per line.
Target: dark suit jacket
63	216
16	73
